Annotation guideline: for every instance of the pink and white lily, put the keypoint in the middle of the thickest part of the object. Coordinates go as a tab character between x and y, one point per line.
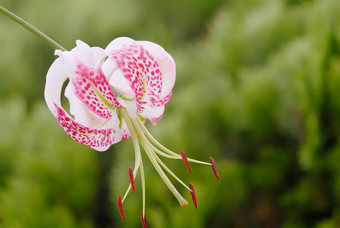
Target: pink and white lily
112	92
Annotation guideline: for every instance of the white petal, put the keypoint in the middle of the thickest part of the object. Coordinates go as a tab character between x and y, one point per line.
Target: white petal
83	53
152	112
99	55
54	83
118	43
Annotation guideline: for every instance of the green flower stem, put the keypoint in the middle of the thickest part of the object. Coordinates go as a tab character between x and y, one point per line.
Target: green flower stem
32	29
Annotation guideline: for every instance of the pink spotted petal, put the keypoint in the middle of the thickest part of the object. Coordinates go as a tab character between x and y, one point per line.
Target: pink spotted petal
91	86
127	62
99	139
96	138
82	114
117	79
166	64
164	100
88	81
140	69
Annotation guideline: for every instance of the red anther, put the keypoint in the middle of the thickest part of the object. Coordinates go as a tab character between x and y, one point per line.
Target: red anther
213	165
120	207
185	160
143	219
193	195
132	180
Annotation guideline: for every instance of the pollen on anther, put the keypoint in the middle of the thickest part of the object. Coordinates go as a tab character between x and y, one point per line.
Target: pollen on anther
214	168
120	207
193	195
143	219
132	180
184	205
185	160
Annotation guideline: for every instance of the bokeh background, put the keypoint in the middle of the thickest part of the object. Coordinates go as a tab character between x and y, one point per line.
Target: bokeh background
258	88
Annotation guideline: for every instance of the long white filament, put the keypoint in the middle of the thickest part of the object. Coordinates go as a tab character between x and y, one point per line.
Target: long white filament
138	158
170	154
153	149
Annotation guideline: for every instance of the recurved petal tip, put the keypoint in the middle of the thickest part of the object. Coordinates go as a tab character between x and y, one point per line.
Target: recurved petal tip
120	207
213	166
193	195
132	180
185	160
143	219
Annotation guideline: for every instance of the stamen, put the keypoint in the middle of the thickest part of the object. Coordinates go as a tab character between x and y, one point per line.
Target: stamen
148	150
185	160
193	195
143	219
120	207
137	152
166	180
170	172
213	165
132	180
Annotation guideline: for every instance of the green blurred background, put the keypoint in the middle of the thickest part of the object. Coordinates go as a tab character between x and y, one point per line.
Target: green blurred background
258	88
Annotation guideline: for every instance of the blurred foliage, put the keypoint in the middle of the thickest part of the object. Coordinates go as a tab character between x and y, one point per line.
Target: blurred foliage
258	87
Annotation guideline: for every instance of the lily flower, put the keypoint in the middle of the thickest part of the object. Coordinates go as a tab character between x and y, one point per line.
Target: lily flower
112	92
